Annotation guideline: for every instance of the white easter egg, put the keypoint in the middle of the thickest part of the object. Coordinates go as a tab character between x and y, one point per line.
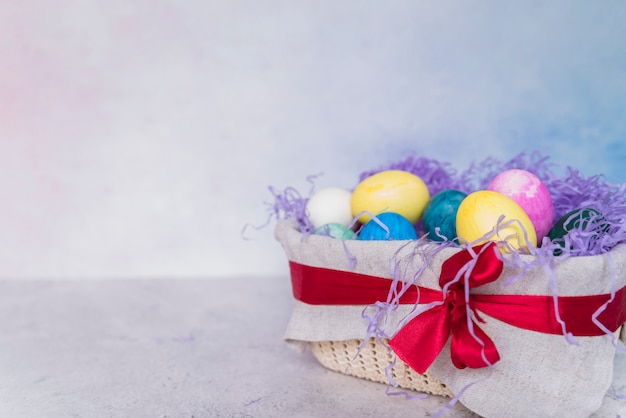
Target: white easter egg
330	205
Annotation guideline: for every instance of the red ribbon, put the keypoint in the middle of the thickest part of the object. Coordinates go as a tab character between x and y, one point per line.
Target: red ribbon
421	340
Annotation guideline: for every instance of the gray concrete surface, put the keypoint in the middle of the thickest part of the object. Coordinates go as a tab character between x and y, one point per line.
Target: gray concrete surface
177	348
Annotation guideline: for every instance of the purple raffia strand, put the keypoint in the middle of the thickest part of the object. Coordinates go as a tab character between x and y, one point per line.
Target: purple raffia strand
617	395
393	299
382	309
406	394
468	310
555	297
373	328
311	179
598	312
389	368
247	226
460	394
546	262
378	222
349	256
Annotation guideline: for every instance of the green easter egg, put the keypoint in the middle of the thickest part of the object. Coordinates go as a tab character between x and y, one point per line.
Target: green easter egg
335	230
585	219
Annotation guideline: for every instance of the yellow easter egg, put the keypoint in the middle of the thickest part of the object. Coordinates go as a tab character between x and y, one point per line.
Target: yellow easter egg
479	213
390	191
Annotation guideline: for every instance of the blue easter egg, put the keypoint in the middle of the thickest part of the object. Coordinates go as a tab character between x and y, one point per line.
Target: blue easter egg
399	227
441	213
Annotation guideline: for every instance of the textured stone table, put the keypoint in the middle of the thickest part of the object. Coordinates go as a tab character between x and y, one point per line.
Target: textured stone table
177	348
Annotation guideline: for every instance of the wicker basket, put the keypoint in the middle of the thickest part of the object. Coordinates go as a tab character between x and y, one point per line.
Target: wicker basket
371	362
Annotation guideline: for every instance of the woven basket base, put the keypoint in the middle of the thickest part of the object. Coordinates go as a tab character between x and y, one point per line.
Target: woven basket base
370	364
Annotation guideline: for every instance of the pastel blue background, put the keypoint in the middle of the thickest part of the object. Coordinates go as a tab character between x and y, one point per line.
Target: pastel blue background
138	137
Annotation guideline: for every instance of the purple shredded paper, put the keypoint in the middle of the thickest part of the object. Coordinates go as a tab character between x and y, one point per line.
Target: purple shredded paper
569	190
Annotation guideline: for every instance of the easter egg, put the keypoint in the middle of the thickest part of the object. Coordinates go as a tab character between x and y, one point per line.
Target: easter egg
399	228
440	215
585	224
335	231
329	205
528	191
390	191
478	216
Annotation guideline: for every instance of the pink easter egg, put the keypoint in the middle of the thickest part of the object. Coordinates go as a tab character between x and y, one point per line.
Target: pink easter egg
531	194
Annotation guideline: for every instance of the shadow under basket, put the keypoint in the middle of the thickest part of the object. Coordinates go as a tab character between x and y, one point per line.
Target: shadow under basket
371	363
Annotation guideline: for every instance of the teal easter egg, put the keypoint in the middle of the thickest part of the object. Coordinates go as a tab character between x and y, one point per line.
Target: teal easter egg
335	230
399	228
586	221
440	215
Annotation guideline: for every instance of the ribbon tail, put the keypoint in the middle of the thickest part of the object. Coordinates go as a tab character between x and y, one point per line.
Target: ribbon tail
420	341
467	349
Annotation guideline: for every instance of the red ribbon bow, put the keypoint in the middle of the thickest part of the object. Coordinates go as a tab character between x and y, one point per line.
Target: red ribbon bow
421	340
